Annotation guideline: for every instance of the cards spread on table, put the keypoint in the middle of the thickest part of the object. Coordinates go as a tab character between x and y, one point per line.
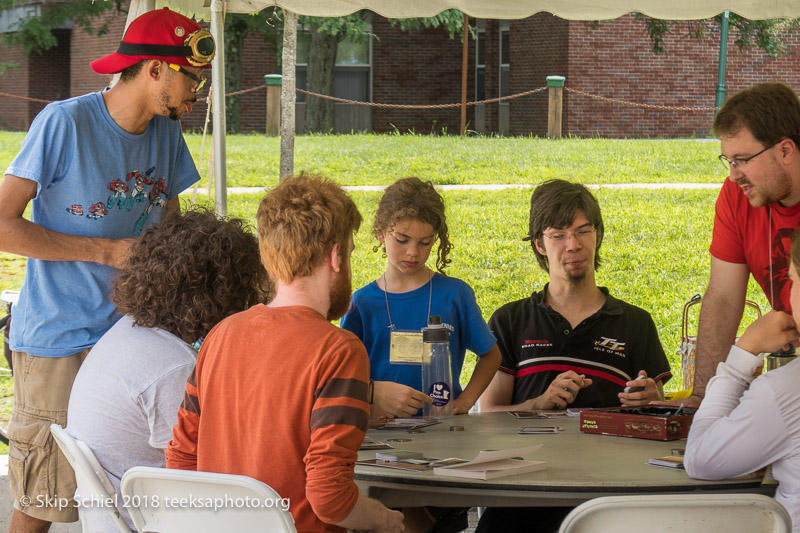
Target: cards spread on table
526	414
372	444
420	464
397	455
545	413
407	423
668	461
539	430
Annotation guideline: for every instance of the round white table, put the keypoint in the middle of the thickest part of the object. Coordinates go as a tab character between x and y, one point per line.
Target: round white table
580	466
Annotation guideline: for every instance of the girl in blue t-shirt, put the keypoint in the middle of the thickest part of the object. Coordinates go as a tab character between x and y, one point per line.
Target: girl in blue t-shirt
409	221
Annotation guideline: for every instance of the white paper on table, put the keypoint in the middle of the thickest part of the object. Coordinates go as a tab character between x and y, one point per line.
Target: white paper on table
492	464
498	455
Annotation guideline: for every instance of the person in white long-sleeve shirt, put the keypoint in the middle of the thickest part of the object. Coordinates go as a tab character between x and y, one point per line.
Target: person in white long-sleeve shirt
745	424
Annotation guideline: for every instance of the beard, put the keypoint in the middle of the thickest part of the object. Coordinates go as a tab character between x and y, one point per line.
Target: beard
341	291
778	187
575	275
173	112
576	278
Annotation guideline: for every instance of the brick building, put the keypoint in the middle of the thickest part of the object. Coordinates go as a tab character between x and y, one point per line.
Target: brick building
611	59
61	72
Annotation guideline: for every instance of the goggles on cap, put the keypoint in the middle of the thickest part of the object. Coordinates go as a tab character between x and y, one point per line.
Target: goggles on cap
198	49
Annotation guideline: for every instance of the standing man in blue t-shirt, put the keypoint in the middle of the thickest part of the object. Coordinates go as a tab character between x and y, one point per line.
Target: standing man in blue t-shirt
97	170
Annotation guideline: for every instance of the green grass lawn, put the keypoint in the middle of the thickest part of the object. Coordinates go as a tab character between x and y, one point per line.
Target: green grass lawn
656	246
253	160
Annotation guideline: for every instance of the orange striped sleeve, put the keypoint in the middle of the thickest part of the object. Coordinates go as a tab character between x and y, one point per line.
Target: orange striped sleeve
339	420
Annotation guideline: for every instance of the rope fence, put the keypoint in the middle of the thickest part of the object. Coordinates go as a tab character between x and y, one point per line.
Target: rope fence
243	91
428	106
634	104
26	98
444	106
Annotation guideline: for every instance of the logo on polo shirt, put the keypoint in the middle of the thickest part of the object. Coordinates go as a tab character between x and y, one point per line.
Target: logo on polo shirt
610	346
536	343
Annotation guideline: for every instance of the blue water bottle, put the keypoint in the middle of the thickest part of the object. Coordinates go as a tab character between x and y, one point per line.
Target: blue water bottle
437	375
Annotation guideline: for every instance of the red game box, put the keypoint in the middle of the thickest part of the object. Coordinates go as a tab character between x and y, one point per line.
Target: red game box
650	422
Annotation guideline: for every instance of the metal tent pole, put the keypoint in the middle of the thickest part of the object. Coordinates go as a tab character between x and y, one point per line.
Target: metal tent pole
138	7
723	59
218	108
288	93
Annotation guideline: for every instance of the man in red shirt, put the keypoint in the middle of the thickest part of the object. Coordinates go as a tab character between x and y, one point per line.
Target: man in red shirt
756	214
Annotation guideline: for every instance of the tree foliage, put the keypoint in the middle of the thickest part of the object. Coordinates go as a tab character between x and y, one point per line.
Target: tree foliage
34	31
766	35
355	26
451	20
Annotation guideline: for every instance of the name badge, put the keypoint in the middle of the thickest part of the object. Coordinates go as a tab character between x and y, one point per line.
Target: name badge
405	347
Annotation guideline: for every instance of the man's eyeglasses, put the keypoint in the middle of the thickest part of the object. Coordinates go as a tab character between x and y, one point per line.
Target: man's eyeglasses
741	162
582	235
199	80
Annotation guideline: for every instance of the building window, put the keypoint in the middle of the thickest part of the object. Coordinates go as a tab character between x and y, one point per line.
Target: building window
480	59
351	74
505	59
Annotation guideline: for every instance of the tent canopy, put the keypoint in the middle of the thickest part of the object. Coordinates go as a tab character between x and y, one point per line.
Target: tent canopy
508	9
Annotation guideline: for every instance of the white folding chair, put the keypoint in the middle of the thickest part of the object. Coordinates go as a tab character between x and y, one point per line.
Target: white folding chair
683	513
177	501
94	486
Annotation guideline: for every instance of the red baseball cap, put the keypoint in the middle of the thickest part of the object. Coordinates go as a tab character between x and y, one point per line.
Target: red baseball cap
160	34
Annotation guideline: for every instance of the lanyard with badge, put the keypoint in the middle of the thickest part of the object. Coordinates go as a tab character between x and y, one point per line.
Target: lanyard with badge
405	346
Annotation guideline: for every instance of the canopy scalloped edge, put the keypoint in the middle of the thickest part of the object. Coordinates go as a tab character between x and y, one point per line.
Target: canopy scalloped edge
507	9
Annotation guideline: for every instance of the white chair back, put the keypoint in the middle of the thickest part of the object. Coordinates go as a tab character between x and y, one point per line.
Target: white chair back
177	501
94	486
683	513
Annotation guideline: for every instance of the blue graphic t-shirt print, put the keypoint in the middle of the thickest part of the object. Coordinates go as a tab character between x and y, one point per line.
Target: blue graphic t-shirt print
125	194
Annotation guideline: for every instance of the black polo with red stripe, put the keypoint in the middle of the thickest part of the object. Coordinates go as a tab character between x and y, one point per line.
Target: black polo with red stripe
611	347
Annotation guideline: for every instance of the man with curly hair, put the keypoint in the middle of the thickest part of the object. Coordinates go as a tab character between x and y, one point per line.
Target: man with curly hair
182	277
279	393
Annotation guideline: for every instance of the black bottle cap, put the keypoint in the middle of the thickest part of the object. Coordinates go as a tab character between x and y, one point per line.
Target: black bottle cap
435	332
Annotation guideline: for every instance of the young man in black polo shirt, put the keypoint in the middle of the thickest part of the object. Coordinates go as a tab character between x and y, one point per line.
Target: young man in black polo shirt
572	344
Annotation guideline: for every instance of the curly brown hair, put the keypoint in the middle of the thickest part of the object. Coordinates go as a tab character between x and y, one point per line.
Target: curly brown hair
412	198
188	272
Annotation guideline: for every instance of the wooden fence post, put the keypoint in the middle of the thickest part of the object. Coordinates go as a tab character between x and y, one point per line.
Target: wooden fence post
273	82
555	90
